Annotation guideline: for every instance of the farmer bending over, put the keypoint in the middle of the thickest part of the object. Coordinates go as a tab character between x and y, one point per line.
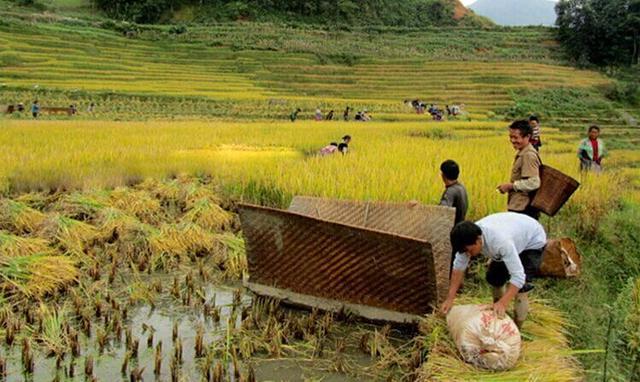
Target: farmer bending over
514	243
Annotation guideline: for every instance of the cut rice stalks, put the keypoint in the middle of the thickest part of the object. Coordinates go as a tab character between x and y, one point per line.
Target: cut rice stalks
128	235
139	204
173	241
80	206
37	200
208	215
546	355
231	256
13	246
71	235
19	218
37	275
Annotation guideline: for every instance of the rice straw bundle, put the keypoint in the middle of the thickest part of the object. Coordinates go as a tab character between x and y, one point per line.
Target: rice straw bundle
180	240
80	206
194	192
18	217
37	275
208	215
130	235
545	356
37	200
167	192
13	246
138	203
72	235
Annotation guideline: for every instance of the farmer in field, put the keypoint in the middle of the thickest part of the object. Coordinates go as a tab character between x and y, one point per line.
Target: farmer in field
294	115
35	109
534	122
345	115
514	244
343	147
525	172
318	115
455	194
592	150
329	149
329	116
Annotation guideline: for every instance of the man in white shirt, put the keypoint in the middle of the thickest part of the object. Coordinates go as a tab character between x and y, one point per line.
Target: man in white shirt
514	243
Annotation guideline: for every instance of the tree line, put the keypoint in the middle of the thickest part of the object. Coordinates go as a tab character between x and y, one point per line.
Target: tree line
600	32
407	13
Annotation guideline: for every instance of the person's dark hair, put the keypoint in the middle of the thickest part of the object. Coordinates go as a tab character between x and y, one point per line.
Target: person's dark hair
594	127
450	169
346	137
333	144
523	126
463	234
534	118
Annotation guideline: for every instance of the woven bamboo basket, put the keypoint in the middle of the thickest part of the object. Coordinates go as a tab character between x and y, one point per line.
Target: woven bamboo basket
561	259
555	189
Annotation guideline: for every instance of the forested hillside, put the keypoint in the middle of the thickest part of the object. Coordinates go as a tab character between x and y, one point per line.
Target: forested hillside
411	13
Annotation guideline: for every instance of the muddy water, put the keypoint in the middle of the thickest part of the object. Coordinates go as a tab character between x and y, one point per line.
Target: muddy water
107	366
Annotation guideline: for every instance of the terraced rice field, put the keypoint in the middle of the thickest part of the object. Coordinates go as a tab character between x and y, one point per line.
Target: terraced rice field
260	84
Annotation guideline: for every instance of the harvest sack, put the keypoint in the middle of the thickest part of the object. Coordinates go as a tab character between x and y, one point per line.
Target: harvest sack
482	338
555	189
561	259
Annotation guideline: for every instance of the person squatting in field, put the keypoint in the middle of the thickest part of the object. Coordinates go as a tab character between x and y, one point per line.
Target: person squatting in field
525	172
514	243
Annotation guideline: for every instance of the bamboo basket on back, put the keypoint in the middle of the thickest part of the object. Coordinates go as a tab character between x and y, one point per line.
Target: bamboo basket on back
555	190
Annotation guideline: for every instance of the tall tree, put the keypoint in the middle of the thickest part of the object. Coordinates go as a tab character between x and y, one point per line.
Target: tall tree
602	32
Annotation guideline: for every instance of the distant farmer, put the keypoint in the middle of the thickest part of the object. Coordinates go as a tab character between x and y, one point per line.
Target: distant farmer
331	148
20	107
592	150
455	194
318	115
10	109
329	116
525	172
345	115
35	109
343	147
514	243
535	141
294	115
91	108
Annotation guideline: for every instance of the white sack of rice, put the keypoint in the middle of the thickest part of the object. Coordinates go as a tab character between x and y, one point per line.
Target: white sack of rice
482	338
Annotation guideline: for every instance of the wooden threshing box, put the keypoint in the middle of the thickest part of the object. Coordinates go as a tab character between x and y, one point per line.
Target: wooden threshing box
381	261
